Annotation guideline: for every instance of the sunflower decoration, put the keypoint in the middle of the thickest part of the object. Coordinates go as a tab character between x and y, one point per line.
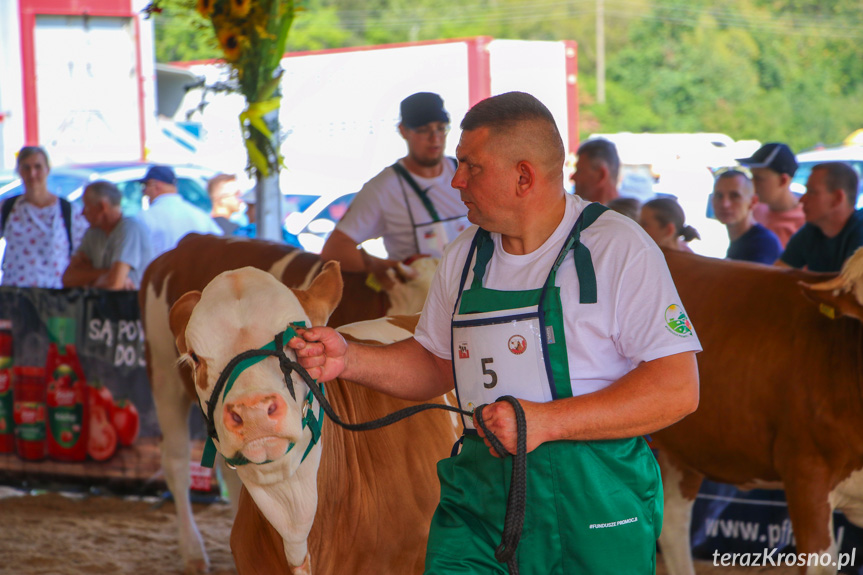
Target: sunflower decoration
205	7
240	8
231	40
252	35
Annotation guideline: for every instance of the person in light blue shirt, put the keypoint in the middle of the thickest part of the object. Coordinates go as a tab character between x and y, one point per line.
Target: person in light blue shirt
170	217
250	230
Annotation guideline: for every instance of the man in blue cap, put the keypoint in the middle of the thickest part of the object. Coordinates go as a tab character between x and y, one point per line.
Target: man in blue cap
773	166
170	217
411	204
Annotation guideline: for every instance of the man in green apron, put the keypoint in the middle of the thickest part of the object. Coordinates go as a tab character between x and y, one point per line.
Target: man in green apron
569	308
410	204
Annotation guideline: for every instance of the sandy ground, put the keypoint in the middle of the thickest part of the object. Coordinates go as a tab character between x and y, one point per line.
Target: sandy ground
51	534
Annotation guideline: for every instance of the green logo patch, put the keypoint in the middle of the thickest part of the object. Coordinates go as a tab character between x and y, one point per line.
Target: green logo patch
677	322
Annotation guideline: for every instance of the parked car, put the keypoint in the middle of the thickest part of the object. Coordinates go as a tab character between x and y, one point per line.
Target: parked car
69	181
852	155
313	218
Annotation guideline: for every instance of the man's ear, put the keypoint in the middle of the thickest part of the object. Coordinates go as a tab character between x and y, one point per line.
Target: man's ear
839	197
403	131
753	201
784	180
526	177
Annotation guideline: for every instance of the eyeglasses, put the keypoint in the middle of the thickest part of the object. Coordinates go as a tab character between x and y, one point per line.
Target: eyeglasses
429	130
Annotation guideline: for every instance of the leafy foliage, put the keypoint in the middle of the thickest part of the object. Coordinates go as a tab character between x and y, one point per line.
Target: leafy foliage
787	70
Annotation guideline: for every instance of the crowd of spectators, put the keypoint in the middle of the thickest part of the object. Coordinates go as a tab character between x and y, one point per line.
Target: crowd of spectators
766	222
52	243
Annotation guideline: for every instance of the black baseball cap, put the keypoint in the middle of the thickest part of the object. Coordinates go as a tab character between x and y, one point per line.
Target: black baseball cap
774	156
421	108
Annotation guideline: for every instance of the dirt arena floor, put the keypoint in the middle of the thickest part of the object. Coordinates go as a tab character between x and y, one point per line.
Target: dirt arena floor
52	534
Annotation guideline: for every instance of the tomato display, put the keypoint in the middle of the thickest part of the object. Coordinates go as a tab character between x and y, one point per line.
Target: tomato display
126	421
102	396
102	443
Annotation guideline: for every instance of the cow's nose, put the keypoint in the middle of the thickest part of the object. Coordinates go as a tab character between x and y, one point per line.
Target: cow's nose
260	411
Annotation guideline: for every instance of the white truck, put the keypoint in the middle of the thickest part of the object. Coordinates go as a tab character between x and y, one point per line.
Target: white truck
77	78
340	111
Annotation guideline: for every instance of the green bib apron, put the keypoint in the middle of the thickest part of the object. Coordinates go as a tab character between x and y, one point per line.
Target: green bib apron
593	507
432	237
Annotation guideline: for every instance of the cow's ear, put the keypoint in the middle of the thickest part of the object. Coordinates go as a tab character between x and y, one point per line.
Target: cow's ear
181	311
323	295
833	304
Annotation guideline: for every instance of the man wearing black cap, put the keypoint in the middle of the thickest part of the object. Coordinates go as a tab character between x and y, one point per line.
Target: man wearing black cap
411	204
170	217
773	166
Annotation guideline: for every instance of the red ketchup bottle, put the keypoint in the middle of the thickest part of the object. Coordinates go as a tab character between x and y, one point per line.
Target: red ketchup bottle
28	386
67	401
7	423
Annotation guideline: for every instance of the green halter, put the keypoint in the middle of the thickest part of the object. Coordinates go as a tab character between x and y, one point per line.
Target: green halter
234	368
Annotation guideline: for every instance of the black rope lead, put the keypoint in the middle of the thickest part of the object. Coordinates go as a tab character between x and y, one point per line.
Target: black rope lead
517	497
516	500
515	505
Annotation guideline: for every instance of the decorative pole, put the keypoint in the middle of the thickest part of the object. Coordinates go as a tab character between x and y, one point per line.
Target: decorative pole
252	35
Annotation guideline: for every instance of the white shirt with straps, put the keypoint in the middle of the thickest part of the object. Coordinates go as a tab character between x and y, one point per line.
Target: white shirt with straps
634	319
379	209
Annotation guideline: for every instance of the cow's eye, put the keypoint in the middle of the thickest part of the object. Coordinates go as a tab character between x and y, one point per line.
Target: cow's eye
194	357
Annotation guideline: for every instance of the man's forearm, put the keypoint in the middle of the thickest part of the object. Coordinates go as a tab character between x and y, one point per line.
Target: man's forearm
654	395
404	369
343	249
80	275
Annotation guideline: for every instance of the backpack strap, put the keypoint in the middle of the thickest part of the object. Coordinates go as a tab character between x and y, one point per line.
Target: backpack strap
66	210
6	210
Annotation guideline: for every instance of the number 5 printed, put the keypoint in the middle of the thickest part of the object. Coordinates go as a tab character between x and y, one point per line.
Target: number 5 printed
489	372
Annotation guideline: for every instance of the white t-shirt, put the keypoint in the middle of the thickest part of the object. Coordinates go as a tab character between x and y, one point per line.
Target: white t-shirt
605	340
170	217
379	209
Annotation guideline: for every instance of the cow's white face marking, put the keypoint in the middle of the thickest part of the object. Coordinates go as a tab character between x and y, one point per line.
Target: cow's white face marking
238	311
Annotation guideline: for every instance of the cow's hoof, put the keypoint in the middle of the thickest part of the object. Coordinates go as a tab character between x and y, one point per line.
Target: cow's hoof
197	567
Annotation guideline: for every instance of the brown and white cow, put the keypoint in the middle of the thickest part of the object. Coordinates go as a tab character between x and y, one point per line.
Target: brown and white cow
370	495
191	266
781	401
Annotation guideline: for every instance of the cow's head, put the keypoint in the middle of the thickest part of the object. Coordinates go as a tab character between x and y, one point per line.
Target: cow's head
256	417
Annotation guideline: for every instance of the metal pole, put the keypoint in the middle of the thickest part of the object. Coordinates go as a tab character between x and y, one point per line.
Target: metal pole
600	51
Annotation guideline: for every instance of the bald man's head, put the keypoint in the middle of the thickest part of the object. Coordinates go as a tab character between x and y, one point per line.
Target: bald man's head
523	129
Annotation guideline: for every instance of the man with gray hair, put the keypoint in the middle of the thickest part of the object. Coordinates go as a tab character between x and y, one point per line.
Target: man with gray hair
115	250
834	228
597	169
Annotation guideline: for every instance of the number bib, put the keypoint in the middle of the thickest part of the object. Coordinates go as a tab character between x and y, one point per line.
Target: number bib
496	354
433	237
